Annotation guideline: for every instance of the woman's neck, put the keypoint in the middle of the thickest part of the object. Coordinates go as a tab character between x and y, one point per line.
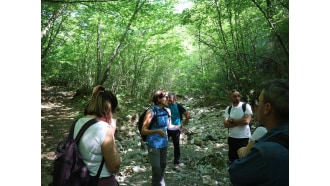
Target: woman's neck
103	118
161	106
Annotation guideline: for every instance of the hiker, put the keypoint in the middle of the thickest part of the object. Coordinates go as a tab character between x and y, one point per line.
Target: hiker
157	140
258	132
175	127
237	121
99	141
269	157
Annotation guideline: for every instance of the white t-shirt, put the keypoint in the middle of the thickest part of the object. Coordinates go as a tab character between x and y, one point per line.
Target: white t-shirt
90	145
242	131
258	133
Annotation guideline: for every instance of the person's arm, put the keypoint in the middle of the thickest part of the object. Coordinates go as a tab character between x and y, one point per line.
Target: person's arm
110	151
245	120
257	134
146	123
170	125
227	123
184	112
243	151
187	118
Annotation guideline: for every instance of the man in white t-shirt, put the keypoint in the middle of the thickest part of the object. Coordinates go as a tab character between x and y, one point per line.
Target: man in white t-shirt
237	122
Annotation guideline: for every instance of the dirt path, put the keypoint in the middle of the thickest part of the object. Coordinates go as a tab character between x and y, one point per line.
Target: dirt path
57	113
201	165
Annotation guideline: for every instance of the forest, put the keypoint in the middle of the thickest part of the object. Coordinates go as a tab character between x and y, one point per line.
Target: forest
136	47
198	49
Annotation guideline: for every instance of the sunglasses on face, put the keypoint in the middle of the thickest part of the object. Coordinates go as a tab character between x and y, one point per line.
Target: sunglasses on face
164	97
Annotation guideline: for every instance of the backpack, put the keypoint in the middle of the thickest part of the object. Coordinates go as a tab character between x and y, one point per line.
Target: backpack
153	120
69	168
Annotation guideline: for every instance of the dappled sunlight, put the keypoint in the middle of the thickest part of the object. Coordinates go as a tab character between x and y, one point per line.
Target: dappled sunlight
203	143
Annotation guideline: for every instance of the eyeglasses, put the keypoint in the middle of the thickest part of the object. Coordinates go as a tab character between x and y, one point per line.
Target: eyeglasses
257	102
165	96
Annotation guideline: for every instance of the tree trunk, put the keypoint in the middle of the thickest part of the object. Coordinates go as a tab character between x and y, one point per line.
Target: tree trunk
52	20
121	40
98	53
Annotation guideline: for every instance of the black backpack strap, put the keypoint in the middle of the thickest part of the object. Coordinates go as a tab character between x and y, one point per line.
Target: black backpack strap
100	169
154	116
84	128
244	107
229	109
155	112
181	110
79	135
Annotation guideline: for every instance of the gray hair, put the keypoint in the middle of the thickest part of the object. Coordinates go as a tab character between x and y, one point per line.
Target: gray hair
171	95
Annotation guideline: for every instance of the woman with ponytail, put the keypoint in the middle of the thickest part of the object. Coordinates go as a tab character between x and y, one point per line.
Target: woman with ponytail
99	141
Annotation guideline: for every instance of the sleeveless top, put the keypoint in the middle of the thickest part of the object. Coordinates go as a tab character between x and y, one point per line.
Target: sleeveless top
156	140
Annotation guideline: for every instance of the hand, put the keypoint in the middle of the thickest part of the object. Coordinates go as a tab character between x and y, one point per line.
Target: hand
113	123
182	128
228	124
161	133
242	152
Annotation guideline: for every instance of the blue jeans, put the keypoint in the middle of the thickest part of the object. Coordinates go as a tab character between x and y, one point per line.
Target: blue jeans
157	159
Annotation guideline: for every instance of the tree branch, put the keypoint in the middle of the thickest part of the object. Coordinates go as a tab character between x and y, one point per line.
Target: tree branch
121	40
272	27
77	1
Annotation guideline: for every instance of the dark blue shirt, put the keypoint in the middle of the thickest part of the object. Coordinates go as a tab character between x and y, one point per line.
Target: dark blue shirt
266	164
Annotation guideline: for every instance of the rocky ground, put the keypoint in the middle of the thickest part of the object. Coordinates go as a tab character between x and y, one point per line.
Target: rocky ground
203	144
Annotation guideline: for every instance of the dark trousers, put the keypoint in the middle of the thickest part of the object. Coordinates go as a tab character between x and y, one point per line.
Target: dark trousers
234	144
175	135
